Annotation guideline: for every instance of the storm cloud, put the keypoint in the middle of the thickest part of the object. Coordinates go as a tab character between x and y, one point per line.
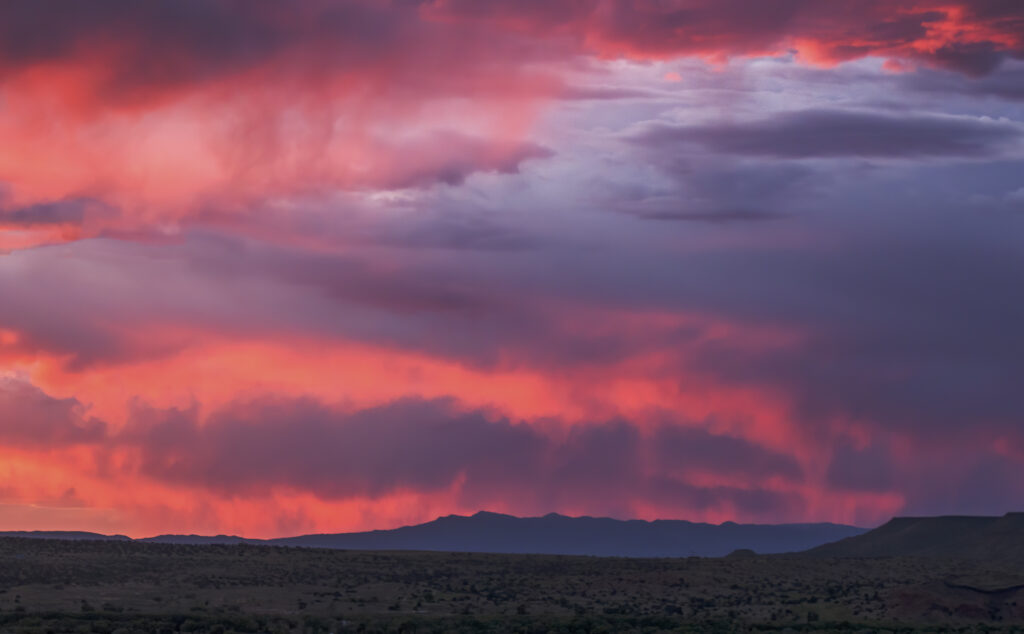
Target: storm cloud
359	263
842	133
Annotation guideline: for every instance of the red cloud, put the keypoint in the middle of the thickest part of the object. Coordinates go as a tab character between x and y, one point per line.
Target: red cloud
413	446
166	108
967	35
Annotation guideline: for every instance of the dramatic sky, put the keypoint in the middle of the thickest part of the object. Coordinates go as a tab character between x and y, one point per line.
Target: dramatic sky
284	267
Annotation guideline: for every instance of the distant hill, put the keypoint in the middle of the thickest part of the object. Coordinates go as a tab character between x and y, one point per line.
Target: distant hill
71	535
950	536
558	534
200	539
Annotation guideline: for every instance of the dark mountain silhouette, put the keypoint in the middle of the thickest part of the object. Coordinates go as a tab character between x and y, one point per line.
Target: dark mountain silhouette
558	534
71	535
950	536
201	539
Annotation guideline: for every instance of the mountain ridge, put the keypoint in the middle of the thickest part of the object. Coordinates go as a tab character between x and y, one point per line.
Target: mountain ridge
962	536
957	536
68	535
490	532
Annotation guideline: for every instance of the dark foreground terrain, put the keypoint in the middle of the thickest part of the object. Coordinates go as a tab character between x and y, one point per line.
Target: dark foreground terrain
109	586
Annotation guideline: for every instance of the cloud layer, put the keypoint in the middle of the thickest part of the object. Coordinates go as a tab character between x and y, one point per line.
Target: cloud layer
843	133
364	262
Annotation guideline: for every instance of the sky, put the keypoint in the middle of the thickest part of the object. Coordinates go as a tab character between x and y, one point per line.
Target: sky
277	268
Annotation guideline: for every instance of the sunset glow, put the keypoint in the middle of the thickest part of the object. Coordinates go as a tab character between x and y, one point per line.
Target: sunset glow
279	268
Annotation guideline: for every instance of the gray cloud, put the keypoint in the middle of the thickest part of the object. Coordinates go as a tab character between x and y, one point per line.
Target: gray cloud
825	133
30	418
1007	84
868	469
429	445
410	444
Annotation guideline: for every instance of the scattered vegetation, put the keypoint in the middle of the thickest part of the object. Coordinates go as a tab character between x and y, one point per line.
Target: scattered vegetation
121	588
